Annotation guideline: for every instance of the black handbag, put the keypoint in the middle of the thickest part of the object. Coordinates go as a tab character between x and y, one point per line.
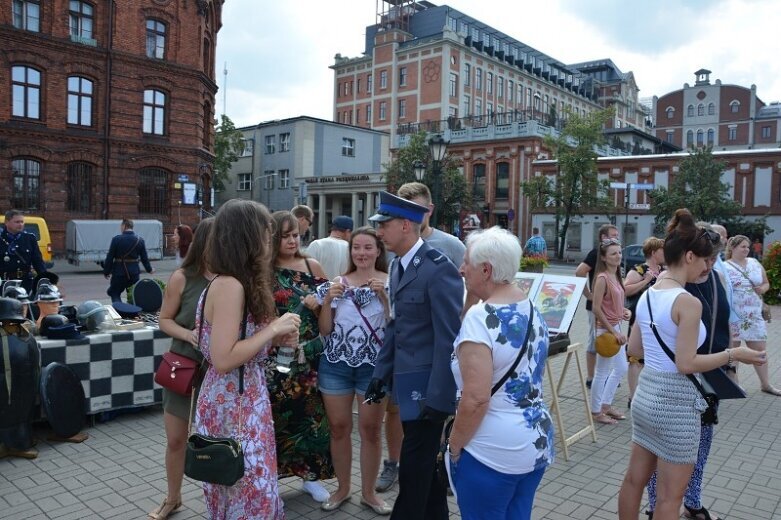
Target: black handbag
441	469
216	460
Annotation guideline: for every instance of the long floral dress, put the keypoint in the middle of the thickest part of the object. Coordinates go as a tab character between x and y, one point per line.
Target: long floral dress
302	432
222	412
746	303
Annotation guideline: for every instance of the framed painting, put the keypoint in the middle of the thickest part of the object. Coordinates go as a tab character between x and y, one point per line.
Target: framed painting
529	283
557	300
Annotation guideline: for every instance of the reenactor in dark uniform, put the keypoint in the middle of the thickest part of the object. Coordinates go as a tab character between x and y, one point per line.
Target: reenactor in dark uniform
426	294
19	252
121	264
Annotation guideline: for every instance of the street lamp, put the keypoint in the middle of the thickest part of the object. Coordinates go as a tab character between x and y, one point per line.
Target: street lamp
437	149
420	170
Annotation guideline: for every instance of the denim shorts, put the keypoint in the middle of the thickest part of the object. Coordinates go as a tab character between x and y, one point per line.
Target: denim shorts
341	379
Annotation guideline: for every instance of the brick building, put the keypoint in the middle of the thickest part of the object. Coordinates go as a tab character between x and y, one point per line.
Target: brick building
109	111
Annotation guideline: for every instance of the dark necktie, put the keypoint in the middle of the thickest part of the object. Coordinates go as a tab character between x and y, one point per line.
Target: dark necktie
401	271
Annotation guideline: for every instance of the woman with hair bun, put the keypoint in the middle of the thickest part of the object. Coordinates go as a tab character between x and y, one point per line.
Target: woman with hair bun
667	406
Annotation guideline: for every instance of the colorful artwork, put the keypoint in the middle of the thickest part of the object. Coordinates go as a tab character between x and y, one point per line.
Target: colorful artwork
557	299
529	283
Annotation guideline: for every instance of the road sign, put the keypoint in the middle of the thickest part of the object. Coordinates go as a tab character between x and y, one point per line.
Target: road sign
183	177
618	185
648	186
635	205
510	214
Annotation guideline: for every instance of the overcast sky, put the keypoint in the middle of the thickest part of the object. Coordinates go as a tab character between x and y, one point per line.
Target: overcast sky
278	52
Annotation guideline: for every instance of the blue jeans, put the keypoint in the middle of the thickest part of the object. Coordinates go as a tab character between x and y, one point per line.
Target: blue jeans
484	493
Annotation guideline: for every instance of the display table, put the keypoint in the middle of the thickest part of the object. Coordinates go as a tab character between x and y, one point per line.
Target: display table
572	351
116	369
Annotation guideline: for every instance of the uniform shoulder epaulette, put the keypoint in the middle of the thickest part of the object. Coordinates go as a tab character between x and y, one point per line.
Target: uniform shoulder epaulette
436	256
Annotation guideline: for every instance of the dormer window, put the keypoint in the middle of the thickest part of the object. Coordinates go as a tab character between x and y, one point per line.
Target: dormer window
734	106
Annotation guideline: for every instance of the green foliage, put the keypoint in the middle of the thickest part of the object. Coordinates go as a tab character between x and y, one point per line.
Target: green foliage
228	145
698	187
577	188
129	290
751	228
453	195
772	263
534	262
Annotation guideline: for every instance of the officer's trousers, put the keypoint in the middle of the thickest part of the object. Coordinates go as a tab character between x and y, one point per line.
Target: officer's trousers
120	282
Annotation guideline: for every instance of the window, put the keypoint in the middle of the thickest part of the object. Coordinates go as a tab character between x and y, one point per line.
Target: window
711	136
79	186
383	110
489	82
348	147
369	113
690	138
478	181
711	109
510	91
734	106
358	86
26	92
249	147
268	175
479	79
153	191
383	79
670	136
467	74
765	132
369	84
453	84
208	124
284	179
79	101
500	87
479	108
732	133
467	106
284	142
26	174
670	112
700	137
27	15
700	109
502	180
403	76
244	182
271	144
81	22
402	108
155	39
154	112
690	111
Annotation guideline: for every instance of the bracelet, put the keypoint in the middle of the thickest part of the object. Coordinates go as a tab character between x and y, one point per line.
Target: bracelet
729	357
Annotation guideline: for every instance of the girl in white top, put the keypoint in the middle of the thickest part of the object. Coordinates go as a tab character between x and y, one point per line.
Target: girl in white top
666	408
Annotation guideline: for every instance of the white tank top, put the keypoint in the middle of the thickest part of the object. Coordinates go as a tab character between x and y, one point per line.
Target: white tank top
662	301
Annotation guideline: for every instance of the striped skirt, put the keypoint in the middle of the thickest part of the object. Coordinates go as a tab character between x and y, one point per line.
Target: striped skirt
666	412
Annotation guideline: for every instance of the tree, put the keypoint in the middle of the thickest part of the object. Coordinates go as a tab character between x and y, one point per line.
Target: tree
453	192
228	145
698	187
576	187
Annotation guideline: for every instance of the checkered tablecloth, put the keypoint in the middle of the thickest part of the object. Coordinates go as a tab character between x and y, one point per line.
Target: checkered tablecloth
117	369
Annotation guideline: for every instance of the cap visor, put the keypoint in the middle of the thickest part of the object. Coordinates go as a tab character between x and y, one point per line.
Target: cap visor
381	218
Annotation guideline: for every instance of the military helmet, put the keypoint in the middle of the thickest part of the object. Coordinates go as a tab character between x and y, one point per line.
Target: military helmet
92	314
50	321
15	291
47	293
11	310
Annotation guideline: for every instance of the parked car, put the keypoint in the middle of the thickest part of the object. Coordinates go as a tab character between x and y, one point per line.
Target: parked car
632	256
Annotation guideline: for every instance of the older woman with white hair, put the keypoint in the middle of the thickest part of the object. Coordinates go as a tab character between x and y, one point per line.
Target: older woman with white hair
502	437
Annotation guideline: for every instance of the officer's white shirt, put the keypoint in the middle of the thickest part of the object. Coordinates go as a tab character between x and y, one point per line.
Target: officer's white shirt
407	258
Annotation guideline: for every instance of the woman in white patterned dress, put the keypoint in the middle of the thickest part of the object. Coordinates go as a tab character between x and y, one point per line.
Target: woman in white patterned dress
749	283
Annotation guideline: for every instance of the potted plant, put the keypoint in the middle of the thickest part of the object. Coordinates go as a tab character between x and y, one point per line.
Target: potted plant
534	263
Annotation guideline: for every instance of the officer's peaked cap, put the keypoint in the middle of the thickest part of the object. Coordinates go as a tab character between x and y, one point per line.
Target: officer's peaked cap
392	207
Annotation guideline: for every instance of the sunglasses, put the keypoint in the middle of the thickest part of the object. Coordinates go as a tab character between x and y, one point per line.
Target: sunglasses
714	237
611	242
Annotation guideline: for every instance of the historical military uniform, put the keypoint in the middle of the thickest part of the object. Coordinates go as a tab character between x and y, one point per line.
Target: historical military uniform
124	254
426	294
19	256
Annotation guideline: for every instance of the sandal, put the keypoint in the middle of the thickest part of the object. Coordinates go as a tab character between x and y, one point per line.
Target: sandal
165	509
603	419
698	514
615	414
772	391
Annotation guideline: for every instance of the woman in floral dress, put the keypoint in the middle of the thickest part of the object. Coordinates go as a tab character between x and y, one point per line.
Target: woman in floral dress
302	432
749	283
238	254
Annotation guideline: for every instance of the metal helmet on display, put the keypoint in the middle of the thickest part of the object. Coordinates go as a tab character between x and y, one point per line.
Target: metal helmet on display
92	315
11	310
47	293
13	289
51	321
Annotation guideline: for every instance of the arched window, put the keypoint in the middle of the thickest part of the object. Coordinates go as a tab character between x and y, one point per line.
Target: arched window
154	112
711	109
80	93
700	109
690	111
155	38
700	137
207	57
502	180
734	106
153	191
26	92
689	138
711	136
670	112
478	181
79	187
26	176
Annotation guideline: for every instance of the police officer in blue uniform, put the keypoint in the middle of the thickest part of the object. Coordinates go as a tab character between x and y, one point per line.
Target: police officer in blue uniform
19	252
426	294
121	263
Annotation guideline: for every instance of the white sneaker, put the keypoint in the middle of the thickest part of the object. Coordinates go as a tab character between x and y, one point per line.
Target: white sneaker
316	489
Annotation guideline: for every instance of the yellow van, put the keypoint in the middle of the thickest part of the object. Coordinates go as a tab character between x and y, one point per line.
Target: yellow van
37	226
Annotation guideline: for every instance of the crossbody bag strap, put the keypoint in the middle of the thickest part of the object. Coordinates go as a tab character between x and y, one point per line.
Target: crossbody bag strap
523	349
715	303
741	271
667	350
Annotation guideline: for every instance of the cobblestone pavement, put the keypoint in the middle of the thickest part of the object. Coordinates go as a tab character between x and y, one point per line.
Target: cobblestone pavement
118	472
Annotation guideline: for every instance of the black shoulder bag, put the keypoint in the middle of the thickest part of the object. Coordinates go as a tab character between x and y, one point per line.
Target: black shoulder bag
217	460
440	467
709	416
